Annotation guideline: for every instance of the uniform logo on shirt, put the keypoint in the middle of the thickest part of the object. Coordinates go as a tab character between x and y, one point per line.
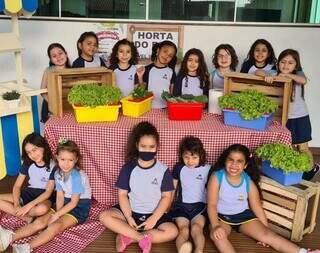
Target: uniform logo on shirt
165	76
241	197
130	77
142	218
44	179
155	181
199	177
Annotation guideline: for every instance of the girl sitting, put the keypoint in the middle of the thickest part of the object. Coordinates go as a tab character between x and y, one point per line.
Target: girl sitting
145	188
36	199
234	203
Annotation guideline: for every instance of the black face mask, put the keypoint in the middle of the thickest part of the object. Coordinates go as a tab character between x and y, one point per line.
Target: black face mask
147	156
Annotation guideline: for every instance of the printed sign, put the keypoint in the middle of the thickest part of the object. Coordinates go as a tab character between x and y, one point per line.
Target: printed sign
144	36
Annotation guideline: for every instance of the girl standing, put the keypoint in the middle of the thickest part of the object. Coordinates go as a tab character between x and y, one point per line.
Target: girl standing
189	179
58	59
144	191
193	77
160	75
298	117
224	60
72	204
87	46
260	60
123	58
234	203
34	200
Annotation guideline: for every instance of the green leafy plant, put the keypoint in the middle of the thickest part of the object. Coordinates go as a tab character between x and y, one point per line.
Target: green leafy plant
11	95
140	93
186	98
250	103
93	95
284	157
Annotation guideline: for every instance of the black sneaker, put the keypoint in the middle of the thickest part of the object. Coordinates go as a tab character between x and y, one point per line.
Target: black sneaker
310	174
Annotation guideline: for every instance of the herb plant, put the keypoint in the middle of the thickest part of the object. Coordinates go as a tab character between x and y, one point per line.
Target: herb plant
186	98
284	157
11	95
250	103
93	95
140	93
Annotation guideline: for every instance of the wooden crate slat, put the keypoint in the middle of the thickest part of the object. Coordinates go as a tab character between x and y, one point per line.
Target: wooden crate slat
278	219
280	200
278	209
279	230
270	90
275	189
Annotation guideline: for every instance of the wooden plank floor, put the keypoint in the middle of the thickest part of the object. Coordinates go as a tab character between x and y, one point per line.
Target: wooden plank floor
106	242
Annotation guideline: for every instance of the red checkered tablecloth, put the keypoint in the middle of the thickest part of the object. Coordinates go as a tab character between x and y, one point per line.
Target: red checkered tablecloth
103	144
72	240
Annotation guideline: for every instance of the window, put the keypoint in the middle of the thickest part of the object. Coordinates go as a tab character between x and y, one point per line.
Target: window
117	9
48	8
275	11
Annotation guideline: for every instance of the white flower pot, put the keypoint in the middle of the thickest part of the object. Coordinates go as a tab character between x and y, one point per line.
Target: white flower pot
12	103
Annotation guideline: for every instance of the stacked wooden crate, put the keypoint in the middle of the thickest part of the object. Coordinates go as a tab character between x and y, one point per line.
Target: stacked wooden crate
291	210
279	91
61	81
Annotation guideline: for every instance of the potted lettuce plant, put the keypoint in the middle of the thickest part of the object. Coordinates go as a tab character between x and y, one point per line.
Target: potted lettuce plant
282	163
137	103
93	102
249	109
184	107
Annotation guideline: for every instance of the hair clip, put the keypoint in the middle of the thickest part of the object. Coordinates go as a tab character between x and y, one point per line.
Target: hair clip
62	140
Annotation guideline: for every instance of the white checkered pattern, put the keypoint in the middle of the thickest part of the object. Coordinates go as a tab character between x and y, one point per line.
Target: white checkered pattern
103	144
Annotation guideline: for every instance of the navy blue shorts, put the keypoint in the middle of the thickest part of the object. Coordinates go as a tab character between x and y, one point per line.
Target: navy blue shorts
188	210
29	194
81	212
300	129
140	217
236	220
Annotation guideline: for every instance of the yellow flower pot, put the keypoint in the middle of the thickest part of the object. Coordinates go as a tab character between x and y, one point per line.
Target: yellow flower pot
96	114
135	109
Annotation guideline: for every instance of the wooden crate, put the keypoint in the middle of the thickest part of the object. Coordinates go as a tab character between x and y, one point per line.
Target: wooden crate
279	91
291	210
61	81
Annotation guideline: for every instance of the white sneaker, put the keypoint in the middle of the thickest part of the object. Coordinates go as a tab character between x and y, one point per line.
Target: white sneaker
5	238
21	248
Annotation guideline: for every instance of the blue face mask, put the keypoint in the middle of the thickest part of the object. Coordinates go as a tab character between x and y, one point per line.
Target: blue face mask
147	156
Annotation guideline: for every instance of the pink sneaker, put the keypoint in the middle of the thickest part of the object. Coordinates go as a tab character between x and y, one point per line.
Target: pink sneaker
145	243
122	242
314	251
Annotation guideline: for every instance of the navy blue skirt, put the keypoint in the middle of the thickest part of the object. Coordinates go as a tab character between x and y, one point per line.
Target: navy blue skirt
300	129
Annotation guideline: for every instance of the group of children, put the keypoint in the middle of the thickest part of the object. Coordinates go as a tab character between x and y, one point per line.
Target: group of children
193	76
154	204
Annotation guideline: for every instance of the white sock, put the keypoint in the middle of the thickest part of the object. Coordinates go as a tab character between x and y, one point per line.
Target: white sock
302	250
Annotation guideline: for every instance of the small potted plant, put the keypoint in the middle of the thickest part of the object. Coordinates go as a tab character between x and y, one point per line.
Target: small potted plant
249	109
11	98
282	163
93	102
138	103
185	107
